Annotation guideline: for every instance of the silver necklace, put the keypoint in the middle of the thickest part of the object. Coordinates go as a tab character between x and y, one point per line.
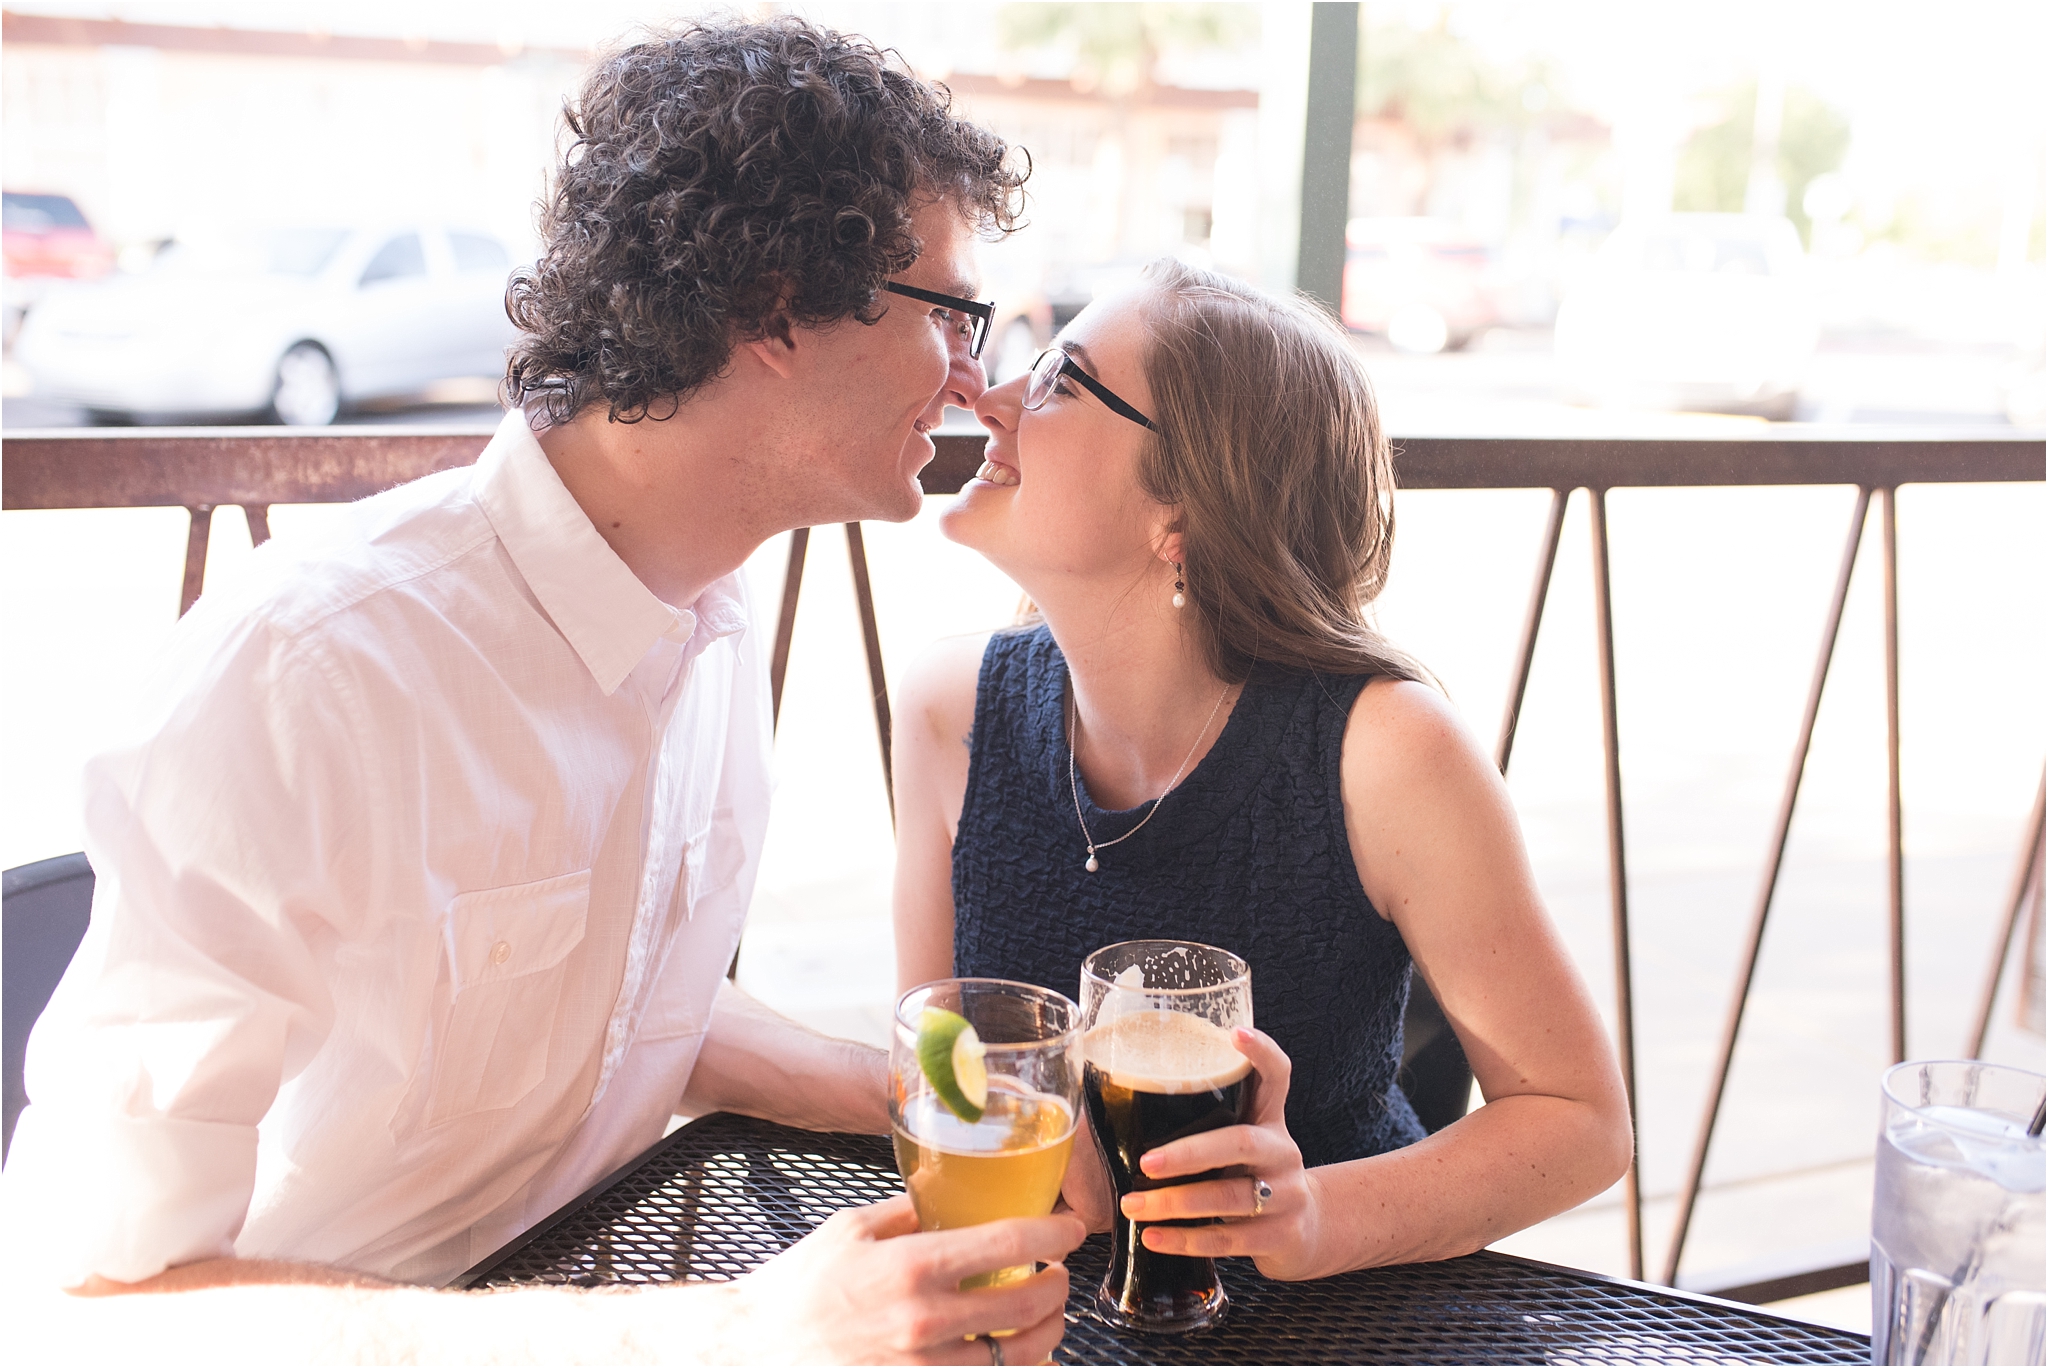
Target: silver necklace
1074	784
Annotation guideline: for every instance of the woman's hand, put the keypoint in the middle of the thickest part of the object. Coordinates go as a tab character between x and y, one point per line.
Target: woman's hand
1086	1192
1284	1235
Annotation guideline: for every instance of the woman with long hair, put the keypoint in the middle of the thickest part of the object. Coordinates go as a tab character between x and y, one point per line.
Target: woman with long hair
1198	735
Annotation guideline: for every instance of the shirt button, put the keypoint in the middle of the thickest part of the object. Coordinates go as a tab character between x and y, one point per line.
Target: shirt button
501	952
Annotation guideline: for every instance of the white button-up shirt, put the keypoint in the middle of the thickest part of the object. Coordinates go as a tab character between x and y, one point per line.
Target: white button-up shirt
417	878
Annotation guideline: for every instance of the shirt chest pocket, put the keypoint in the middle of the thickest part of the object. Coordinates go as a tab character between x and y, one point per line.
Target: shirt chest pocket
508	951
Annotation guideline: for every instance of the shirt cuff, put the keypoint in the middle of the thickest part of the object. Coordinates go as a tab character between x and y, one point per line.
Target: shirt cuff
123	1197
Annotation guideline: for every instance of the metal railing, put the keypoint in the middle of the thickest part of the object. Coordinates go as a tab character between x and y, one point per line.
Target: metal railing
202	469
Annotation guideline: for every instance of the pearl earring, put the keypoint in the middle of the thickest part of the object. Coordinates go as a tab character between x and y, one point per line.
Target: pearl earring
1180	598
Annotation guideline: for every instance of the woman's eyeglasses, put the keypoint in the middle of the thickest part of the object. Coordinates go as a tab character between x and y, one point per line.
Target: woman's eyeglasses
1053	363
975	315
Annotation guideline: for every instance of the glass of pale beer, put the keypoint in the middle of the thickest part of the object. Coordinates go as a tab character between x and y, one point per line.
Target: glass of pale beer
969	1154
1159	1065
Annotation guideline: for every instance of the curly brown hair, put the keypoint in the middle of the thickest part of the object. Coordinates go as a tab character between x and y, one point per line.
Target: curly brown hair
721	176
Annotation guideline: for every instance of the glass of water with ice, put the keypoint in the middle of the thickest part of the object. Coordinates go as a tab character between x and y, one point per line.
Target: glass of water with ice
1956	1225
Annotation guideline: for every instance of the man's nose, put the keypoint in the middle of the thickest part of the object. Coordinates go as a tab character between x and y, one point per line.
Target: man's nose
965	379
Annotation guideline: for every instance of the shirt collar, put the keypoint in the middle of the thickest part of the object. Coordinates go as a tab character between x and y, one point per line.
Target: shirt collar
598	605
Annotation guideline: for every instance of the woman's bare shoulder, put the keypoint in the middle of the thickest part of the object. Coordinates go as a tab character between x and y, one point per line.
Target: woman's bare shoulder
940	685
1425	809
1407	737
1404	715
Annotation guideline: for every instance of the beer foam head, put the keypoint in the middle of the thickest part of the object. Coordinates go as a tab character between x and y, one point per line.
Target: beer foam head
1165	1052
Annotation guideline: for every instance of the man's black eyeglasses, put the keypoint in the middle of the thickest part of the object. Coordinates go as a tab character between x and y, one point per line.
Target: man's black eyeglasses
1053	363
976	315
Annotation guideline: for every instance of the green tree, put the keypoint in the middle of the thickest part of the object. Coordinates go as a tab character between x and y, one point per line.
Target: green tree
1441	87
1713	167
1116	47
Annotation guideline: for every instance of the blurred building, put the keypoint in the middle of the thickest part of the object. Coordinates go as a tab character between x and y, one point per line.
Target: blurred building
156	128
1119	180
1527	194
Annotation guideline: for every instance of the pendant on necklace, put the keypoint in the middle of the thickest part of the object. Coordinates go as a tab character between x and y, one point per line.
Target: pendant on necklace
1092	866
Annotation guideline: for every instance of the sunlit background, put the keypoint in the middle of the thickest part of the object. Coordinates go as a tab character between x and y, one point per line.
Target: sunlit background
1594	217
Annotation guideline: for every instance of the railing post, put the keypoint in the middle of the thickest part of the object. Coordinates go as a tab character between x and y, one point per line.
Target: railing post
2023	880
1525	654
1895	846
785	625
195	556
1617	868
1773	866
871	637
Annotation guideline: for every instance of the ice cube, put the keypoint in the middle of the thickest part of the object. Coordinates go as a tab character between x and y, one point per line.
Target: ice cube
1995	1146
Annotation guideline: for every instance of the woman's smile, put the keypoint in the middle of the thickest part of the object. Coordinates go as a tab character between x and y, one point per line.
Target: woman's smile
997	473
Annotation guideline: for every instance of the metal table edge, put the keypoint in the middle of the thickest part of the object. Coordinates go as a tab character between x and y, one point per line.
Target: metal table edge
491	1262
1659	1290
570	1210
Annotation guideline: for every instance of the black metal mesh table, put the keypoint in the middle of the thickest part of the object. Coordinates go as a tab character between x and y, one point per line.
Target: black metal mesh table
725	1193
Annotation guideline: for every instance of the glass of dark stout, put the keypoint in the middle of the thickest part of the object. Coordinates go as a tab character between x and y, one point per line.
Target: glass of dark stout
1158	1065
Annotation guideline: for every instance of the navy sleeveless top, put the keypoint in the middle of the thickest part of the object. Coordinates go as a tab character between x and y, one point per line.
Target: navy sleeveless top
1249	853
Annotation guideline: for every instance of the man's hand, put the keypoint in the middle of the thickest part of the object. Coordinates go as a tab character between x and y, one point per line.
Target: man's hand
1086	1191
854	1292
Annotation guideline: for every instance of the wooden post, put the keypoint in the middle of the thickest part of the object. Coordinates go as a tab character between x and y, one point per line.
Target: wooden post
1326	152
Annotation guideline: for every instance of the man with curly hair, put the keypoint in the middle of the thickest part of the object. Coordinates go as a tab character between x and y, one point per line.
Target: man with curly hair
419	875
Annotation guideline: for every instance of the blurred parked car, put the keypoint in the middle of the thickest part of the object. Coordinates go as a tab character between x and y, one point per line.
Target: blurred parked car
44	238
1692	311
1420	281
2024	388
1072	286
1023	323
289	322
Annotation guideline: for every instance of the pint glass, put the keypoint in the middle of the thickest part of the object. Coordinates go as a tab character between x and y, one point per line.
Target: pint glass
1010	1159
1160	1066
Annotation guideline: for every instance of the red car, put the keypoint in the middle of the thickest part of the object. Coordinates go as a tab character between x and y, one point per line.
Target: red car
1422	282
46	235
45	238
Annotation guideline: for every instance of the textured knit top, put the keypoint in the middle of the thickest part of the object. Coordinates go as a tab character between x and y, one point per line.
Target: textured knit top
1249	853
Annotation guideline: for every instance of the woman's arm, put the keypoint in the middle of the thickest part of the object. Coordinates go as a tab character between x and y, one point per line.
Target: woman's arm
934	724
1440	854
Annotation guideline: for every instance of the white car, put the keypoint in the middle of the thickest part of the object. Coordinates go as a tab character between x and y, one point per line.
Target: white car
1692	311
291	323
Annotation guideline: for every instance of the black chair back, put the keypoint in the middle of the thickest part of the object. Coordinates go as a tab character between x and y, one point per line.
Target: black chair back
47	906
1434	1073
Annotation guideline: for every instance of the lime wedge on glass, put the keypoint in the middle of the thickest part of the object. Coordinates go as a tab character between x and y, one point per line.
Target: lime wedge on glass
950	1053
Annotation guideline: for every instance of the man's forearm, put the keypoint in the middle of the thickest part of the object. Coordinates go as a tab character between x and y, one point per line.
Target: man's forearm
294	1320
760	1063
865	1287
